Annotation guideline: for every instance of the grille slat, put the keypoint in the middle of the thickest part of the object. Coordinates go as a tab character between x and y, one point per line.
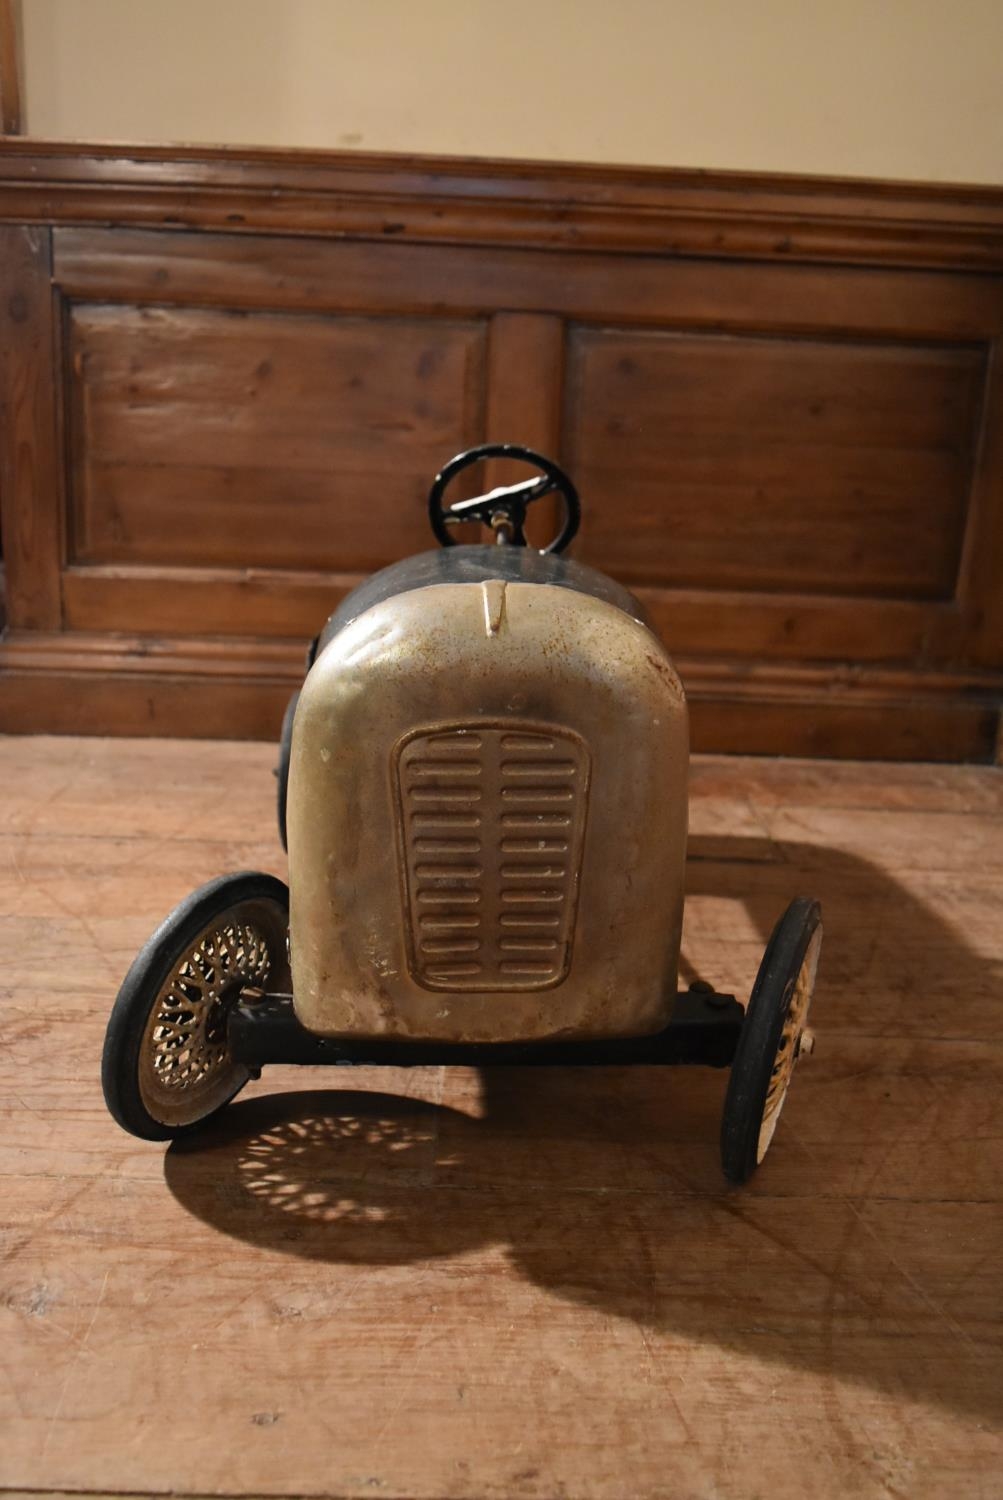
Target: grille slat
494	819
445	794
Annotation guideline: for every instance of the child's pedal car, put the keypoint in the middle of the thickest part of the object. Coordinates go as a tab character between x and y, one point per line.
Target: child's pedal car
483	783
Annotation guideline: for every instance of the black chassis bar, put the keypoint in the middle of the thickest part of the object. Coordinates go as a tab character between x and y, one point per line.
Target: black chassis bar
703	1028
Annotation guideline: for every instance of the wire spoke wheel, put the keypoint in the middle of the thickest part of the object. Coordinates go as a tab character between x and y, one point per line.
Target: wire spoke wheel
789	1046
185	1069
167	1064
774	1035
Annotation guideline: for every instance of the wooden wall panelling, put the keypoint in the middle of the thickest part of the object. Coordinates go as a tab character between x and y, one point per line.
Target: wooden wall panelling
813	457
248	601
778	399
203	601
525	388
385	278
626	210
30	457
866	714
208	438
843	728
10	124
143	685
238	688
332	275
526	361
980	583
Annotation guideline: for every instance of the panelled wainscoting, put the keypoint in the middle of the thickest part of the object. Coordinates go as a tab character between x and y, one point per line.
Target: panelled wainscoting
228	377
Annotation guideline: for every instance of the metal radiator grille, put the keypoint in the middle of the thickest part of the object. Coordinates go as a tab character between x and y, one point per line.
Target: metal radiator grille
492	819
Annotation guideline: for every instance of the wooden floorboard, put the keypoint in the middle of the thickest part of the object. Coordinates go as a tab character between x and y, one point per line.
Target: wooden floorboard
437	1284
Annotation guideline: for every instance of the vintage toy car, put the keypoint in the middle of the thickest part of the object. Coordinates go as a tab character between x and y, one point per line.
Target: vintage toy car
483	781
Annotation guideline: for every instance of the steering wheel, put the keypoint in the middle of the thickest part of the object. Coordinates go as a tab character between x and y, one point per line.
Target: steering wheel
504	508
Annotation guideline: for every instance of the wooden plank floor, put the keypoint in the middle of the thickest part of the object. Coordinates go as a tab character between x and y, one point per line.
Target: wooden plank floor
521	1284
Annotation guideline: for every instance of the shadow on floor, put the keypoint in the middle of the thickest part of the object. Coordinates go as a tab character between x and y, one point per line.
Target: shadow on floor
604	1184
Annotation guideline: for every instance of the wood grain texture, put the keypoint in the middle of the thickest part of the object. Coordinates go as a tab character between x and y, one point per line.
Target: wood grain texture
660	290
525	388
780	399
980	586
206	688
442	1285
817	456
643	211
208	438
721	623
30	463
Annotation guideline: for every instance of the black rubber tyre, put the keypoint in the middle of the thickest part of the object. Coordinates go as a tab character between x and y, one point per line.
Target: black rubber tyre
165	1067
770	1039
282	771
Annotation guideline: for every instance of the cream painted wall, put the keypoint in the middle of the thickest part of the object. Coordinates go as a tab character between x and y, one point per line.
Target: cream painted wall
881	88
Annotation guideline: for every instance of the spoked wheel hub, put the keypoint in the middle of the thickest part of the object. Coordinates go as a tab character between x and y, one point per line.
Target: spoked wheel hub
167	1062
185	1067
773	1037
791	1044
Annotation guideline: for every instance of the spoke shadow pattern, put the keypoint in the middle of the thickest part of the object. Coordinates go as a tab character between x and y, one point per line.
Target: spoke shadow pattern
603	1186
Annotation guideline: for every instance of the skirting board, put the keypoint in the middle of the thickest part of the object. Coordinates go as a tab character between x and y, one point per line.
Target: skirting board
200	688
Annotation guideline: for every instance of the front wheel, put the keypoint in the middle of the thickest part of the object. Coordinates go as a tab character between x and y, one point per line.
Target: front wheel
166	1065
772	1037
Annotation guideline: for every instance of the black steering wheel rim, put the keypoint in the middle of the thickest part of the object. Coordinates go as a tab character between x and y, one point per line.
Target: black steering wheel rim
559	482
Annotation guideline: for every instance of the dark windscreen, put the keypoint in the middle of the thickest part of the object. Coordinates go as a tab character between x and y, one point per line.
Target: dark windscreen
478	565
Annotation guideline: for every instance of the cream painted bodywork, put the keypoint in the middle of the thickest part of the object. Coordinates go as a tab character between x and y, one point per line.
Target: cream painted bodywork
458	654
